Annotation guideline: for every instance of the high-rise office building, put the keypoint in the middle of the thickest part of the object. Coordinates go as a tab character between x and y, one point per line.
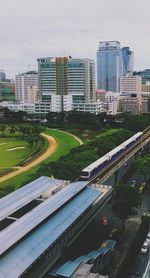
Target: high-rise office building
2	76
128	60
64	81
109	65
23	82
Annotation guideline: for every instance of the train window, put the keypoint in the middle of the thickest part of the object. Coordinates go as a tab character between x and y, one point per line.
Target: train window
85	174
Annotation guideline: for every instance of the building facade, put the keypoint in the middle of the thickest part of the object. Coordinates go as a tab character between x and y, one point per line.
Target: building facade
145	75
130	84
2	76
109	66
128	60
23	82
63	79
95	108
33	95
7	91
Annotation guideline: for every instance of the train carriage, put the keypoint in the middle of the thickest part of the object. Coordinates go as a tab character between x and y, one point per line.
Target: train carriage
96	167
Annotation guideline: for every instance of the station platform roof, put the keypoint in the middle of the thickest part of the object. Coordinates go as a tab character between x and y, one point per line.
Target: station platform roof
31	220
23	254
19	198
70	268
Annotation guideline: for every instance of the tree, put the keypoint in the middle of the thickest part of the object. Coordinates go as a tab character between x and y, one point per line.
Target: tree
13	129
25	130
30	141
2	129
143	167
121	210
125	198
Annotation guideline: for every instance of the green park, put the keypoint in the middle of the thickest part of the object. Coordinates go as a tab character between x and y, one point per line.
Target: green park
23	142
14	150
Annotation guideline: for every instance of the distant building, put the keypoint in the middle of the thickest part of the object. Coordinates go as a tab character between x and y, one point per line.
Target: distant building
146	87
2	76
23	82
128	60
64	81
100	95
7	88
112	103
109	66
7	91
134	105
130	84
15	107
145	75
96	107
33	95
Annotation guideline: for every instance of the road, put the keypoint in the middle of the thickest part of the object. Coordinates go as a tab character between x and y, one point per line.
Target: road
48	152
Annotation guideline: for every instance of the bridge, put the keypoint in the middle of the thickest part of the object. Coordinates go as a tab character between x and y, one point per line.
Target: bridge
113	167
41	219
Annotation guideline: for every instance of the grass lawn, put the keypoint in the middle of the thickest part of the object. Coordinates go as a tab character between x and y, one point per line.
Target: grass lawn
11	156
108	132
88	135
65	143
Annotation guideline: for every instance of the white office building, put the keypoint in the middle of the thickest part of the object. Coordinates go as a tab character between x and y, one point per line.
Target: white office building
64	81
24	82
130	84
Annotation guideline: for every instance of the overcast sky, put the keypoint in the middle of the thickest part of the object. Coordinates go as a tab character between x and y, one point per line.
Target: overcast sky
40	28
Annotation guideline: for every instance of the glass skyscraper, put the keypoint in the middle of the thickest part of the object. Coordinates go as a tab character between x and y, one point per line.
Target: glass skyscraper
109	65
127	56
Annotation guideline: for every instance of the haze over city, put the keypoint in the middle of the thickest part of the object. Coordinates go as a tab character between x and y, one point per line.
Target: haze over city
49	28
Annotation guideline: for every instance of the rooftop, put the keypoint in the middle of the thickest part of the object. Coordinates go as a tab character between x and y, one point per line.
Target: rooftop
19	198
16	260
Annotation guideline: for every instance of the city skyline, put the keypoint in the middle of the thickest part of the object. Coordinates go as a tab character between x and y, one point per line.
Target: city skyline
46	28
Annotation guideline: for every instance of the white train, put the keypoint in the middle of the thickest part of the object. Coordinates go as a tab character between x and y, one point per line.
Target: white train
95	168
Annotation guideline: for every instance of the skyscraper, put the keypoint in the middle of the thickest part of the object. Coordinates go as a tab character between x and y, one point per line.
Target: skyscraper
63	80
128	60
109	65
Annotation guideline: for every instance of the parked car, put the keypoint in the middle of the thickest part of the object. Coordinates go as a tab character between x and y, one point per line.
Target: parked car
133	211
145	247
104	220
116	234
133	183
148	238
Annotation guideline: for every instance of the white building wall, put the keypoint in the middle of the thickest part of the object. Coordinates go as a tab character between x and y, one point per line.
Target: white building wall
22	82
68	103
55	103
131	84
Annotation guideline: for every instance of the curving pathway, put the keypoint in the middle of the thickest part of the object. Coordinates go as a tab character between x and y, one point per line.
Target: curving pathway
49	151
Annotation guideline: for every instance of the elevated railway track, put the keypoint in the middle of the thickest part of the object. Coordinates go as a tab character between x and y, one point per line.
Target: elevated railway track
109	170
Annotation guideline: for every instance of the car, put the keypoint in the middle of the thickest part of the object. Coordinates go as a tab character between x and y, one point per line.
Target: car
141	188
148	238
145	247
133	211
115	234
104	220
133	183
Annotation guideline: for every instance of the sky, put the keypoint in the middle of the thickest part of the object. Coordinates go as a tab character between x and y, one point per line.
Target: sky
42	28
